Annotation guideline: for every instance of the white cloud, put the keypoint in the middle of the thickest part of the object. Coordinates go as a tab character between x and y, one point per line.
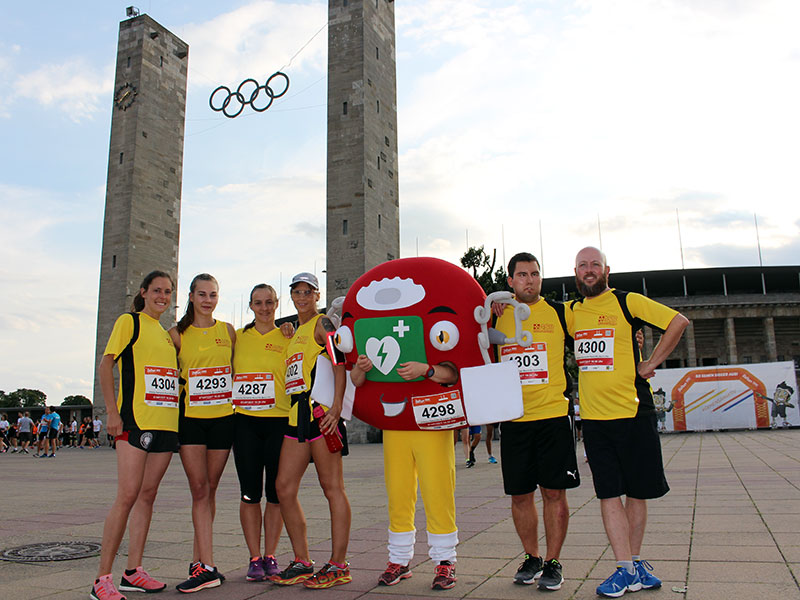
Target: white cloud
73	86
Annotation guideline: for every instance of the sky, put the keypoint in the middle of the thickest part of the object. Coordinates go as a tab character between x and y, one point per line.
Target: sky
661	130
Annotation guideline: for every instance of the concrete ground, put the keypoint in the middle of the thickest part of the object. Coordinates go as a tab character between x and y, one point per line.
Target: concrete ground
730	527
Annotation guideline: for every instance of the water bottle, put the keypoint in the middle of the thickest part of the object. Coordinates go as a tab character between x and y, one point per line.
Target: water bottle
333	440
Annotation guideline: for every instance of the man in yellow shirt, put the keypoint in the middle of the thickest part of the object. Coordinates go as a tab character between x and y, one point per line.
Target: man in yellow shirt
619	421
538	449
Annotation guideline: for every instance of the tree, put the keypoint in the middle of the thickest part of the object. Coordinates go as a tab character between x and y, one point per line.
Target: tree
76	401
5	401
27	398
482	267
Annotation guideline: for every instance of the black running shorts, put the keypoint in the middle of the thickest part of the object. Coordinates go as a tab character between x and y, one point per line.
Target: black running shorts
538	453
151	440
625	457
214	434
257	451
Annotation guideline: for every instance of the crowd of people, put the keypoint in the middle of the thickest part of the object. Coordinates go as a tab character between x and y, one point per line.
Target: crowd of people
203	389
43	437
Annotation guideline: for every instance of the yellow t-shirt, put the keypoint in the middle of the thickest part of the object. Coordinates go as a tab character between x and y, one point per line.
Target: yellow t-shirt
541	365
259	367
607	353
301	359
148	374
206	371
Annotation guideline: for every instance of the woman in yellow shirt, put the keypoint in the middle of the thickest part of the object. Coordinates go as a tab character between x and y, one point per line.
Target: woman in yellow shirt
144	420
205	429
304	441
262	410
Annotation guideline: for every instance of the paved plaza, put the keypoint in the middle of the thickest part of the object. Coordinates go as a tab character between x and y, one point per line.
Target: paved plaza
729	529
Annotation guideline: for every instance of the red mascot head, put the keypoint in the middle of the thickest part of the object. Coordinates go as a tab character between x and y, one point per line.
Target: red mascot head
411	309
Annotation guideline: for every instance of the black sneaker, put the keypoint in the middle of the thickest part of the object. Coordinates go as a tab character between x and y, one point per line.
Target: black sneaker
201	579
294	573
551	578
529	570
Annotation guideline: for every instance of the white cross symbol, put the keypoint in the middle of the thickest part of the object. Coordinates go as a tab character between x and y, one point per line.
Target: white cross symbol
400	328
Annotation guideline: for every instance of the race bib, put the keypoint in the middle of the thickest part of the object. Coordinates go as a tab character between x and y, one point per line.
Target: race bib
161	387
439	411
209	385
254	391
294	374
594	349
531	362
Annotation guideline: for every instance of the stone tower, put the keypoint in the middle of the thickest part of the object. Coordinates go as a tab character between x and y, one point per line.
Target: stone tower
363	214
145	168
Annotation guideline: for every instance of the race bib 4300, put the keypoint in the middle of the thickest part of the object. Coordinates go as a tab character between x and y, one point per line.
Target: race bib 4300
594	349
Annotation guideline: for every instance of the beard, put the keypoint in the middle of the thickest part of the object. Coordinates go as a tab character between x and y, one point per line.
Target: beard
590	291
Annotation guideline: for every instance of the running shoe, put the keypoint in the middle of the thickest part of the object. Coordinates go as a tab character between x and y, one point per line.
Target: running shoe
192	566
394	573
103	589
51	456
201	579
649	581
470	464
256	571
618	583
25	450
529	570
493	460
270	566
328	576
445	577
551	578
294	573
140	581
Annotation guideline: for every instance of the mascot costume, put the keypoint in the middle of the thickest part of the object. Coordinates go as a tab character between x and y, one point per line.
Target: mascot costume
429	311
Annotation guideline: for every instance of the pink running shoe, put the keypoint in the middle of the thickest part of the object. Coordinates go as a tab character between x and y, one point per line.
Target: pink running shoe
140	581
103	589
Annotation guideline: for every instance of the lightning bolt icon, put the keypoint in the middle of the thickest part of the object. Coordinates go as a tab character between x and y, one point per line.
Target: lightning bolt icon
383	354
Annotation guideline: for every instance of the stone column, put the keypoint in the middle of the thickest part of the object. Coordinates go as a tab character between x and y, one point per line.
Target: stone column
730	341
691	350
648	342
772	346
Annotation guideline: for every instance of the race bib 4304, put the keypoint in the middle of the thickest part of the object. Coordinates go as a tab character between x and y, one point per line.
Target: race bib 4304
161	387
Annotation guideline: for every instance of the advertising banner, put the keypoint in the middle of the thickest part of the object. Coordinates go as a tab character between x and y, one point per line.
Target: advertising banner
751	396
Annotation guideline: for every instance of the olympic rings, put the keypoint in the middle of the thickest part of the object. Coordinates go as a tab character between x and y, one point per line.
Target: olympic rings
242	98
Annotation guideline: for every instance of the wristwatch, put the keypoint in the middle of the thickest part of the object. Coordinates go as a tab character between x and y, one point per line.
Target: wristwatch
429	373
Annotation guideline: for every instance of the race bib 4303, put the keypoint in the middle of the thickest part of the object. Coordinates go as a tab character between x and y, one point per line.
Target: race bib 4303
531	362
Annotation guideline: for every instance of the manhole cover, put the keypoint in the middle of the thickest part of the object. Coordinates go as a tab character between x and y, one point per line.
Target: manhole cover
51	551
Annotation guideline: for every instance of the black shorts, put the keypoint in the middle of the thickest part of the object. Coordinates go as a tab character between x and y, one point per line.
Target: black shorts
52	434
25	436
88	434
625	457
214	434
314	434
256	452
538	453
579	424
43	436
151	440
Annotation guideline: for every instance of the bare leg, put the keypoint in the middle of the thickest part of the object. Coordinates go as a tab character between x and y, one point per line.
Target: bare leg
617	529
556	519
636	511
526	522
155	466
489	436
329	471
130	472
194	462
273	524
293	463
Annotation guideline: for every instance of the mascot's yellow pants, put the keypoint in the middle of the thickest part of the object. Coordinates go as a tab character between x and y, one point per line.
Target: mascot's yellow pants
426	457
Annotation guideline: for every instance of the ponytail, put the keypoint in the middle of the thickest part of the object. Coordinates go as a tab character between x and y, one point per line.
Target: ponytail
138	302
188	317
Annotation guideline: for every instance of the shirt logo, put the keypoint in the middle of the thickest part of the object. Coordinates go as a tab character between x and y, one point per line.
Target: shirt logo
606	320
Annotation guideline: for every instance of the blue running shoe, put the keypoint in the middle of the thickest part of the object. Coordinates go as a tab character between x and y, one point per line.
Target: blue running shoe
649	581
620	582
